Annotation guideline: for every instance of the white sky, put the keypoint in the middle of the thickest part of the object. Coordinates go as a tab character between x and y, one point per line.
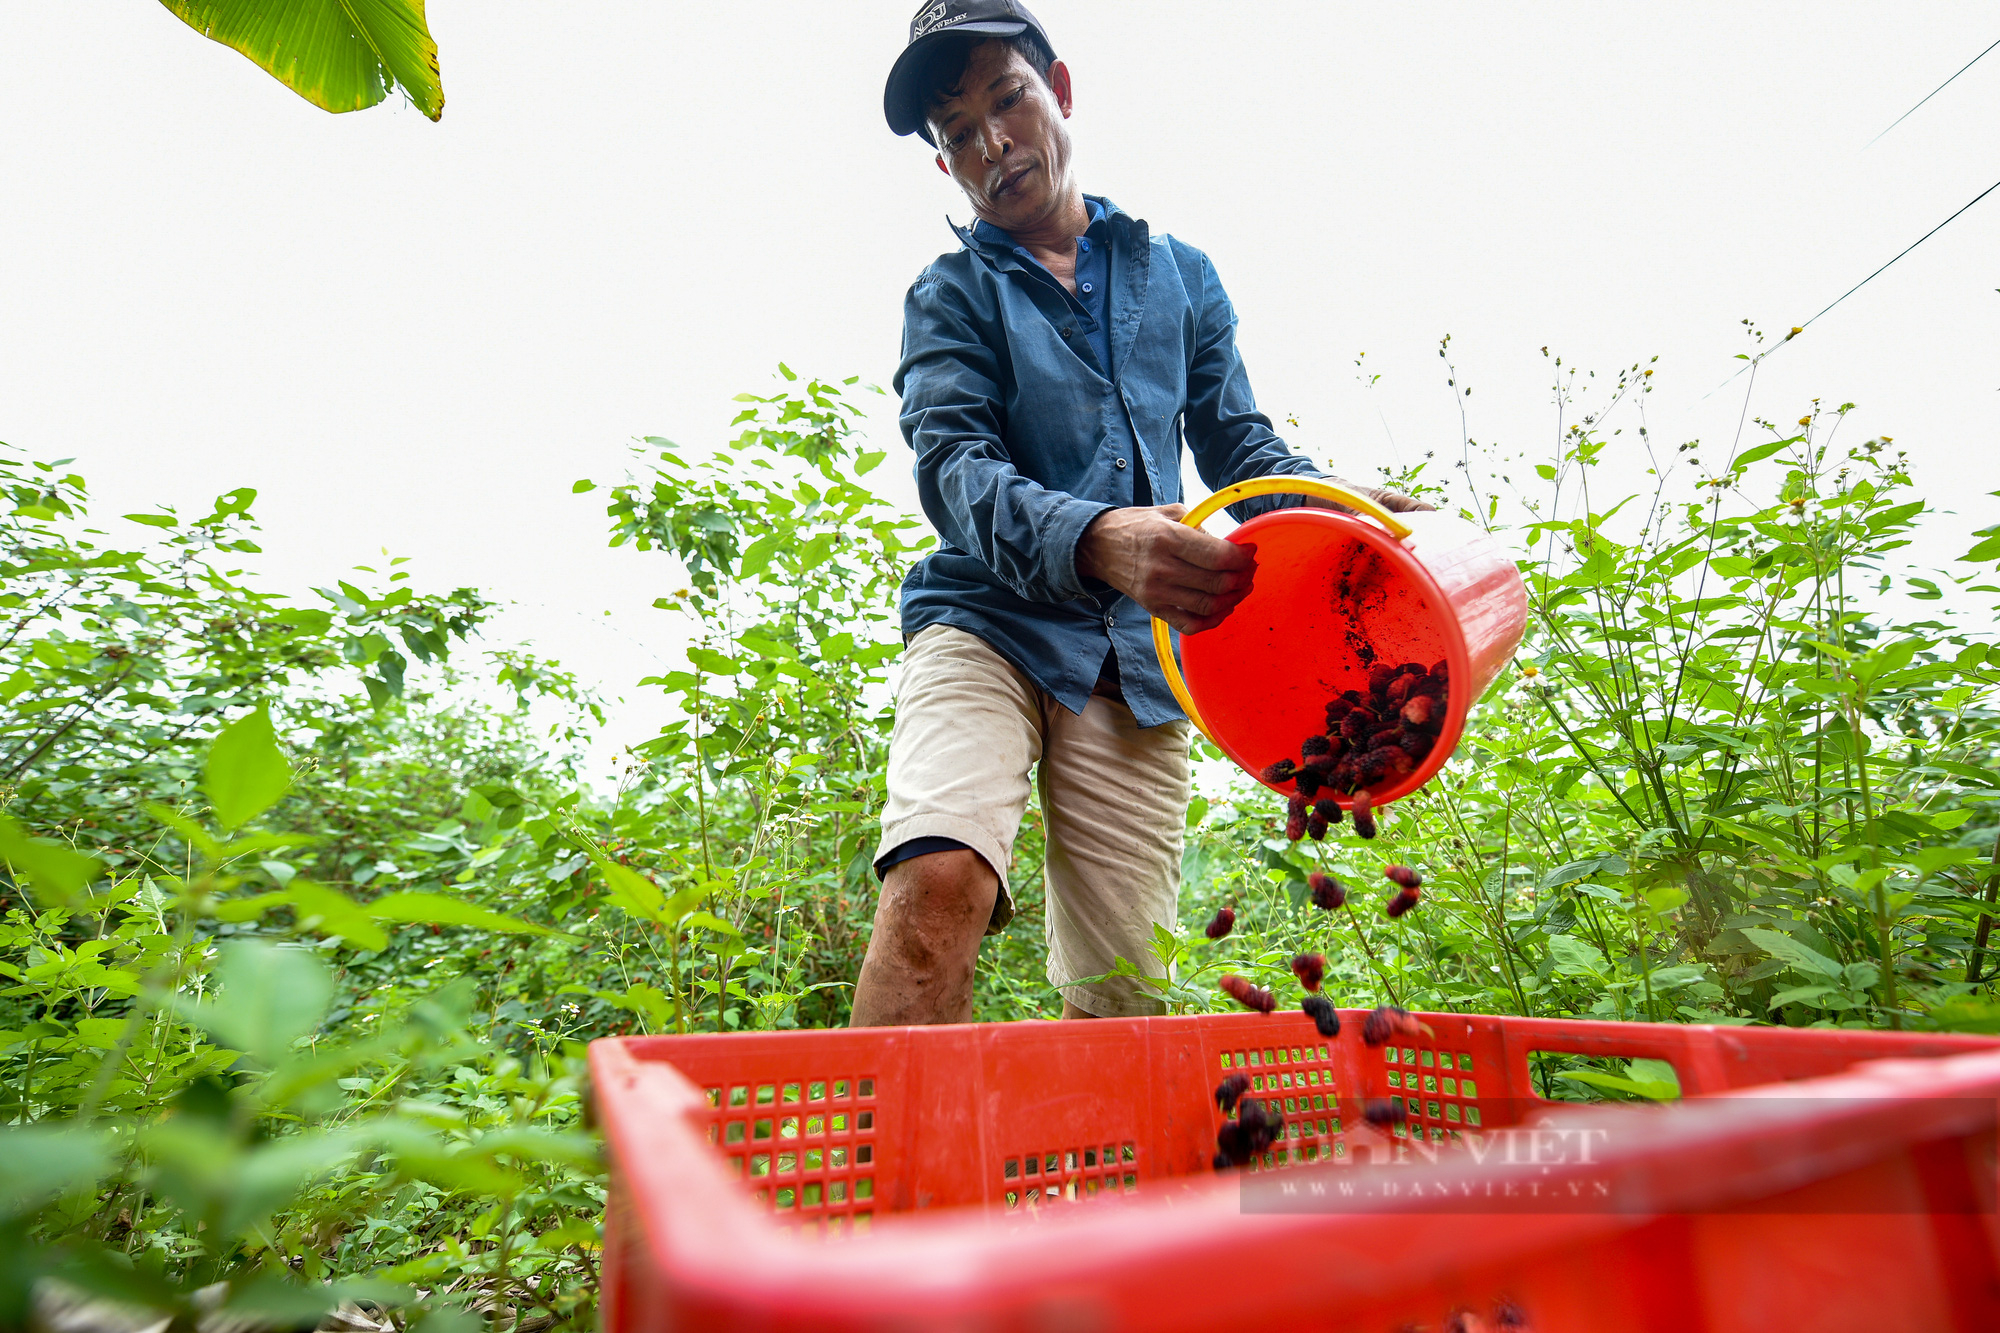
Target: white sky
416	336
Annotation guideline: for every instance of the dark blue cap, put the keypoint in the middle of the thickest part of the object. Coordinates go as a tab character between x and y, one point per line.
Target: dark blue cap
902	100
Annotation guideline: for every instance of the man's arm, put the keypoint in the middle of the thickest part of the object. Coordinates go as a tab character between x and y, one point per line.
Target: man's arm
952	417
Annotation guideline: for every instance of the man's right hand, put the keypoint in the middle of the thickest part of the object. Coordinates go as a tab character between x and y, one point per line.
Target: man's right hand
1180	574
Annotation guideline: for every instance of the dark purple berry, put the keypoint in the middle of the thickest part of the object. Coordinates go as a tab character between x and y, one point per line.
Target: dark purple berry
1313	745
1327	892
1281	771
1221	923
1404	876
1328	809
1248	994
1308	780
1379	678
1310	969
1230	1091
1295	827
1404	900
1324	1016
1316	827
1384	1112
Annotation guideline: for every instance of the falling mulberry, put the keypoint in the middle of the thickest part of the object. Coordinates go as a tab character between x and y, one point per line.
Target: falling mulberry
1324	1016
1221	923
1310	969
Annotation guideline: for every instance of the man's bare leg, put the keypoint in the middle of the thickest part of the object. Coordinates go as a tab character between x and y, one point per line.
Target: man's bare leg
928	925
1071	1011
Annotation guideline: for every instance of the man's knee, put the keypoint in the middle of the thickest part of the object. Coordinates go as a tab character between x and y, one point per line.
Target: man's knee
931	903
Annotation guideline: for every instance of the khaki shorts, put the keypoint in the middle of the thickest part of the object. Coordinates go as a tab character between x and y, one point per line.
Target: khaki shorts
969	727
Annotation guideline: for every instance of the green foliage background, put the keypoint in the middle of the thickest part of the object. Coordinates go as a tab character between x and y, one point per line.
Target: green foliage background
309	911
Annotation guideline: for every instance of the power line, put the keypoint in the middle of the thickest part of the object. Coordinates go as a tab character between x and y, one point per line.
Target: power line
1933	93
1865	281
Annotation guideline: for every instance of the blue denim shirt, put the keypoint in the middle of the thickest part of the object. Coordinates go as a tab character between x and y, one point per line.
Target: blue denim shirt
1022	437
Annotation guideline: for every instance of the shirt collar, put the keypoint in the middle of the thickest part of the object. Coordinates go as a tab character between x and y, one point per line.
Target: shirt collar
989	236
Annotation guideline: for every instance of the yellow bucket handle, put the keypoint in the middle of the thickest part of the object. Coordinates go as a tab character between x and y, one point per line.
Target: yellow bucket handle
1318	489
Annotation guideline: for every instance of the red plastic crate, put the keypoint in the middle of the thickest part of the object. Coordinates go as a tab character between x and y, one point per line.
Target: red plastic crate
1057	1176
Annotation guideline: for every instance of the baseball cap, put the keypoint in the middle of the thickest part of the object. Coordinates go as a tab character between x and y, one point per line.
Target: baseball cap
902	99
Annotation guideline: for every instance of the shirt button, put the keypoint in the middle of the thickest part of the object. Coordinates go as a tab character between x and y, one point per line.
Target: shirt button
1121	465
1068	332
1111	622
1086	289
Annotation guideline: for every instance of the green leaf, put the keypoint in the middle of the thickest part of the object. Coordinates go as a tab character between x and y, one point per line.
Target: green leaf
1576	958
56	870
632	891
1801	995
155	520
436	909
1790	951
579	487
270	995
331	912
42	1161
340	55
246	772
1650	1089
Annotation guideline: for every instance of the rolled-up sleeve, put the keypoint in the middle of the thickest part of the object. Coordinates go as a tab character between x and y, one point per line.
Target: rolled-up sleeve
1230	439
954	418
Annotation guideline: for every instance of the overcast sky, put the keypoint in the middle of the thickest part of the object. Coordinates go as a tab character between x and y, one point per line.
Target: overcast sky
417	336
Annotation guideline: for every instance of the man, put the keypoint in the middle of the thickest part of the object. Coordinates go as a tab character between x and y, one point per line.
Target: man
1052	369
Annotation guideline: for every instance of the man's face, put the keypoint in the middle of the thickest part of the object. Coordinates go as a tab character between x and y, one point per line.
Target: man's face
1002	137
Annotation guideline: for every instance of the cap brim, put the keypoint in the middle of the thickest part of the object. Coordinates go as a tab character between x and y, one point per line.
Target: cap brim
900	101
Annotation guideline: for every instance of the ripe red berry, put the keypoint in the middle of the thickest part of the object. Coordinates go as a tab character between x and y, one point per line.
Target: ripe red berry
1295	827
1357	723
1310	969
1399	689
1404	900
1386	1021
1248	994
1221	923
1281	771
1364	825
1327	892
1316	827
1321	764
1324	1016
1384	1112
1363	811
1297	805
1441	669
1404	876
1313	745
1379	678
1230	1091
1417	712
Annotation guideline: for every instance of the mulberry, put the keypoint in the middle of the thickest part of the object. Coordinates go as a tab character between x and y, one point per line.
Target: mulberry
1309	780
1358	724
1316	826
1295	827
1379	678
1441	669
1230	1091
1404	900
1324	1016
1327	892
1363	811
1417	712
1262	1123
1328	809
1404	876
1232	1144
1399	689
1298	805
1221	1162
1281	771
1386	1021
1221	923
1313	745
1384	1112
1248	994
1310	969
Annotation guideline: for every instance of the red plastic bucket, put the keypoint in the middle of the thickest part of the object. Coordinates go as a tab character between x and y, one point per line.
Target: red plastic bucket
1335	595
